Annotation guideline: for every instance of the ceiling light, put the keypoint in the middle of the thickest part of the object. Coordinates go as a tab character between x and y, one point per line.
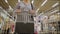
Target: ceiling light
10	7
37	10
6	1
59	13
43	2
40	14
54	11
55	4
18	0
32	1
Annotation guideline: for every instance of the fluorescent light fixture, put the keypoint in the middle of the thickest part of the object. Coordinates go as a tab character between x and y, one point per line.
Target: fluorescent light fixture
40	14
54	11
10	7
37	10
43	3
18	0
55	4
32	1
6	1
59	13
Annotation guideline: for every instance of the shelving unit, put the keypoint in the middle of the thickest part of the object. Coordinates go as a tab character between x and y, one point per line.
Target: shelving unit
53	26
7	18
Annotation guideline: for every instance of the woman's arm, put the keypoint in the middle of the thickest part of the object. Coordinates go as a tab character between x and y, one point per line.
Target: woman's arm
17	8
32	11
18	11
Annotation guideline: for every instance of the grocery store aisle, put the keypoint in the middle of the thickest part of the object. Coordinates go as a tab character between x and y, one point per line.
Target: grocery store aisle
46	17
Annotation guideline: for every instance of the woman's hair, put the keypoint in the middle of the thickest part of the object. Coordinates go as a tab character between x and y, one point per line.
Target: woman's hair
26	0
18	7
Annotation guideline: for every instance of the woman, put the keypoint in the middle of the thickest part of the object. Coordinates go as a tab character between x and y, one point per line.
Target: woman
24	12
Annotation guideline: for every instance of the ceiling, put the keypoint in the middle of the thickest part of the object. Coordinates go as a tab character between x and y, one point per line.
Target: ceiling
37	4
